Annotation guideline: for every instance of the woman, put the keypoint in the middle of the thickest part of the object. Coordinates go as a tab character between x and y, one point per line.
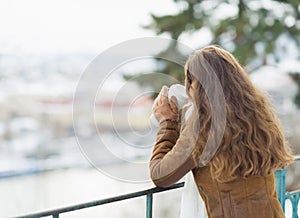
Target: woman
238	180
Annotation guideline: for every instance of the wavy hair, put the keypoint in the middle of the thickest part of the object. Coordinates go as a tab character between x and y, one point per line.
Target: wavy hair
253	142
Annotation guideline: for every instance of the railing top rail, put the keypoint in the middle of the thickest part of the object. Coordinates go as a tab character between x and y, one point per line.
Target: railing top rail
297	158
292	193
99	202
114	199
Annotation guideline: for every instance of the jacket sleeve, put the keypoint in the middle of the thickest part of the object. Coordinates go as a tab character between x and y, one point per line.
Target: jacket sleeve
172	153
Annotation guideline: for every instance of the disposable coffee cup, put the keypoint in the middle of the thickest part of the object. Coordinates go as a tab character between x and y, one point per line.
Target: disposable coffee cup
179	92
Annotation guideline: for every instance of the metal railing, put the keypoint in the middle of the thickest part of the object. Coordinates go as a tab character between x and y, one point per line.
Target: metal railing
293	196
280	176
149	202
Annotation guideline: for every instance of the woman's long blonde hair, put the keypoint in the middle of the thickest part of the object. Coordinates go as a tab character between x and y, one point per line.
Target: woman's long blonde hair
253	143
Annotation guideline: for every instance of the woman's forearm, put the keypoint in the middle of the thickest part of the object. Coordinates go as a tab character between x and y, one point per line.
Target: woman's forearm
172	155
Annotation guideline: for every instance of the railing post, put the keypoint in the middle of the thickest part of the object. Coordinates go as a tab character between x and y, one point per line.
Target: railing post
295	200
55	216
280	186
149	203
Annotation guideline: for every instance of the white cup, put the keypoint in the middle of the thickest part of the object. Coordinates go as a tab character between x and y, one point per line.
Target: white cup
179	92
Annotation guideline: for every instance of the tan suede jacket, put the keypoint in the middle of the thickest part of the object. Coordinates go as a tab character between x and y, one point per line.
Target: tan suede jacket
254	197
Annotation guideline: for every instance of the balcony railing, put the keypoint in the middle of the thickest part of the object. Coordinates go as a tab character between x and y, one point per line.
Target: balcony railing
280	176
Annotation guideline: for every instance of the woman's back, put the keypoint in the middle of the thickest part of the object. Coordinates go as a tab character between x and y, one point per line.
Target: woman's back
251	197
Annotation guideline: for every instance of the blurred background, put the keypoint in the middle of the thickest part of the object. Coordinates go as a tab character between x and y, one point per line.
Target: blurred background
47	45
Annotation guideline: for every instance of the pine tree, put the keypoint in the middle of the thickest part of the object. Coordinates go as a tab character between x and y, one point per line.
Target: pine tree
250	29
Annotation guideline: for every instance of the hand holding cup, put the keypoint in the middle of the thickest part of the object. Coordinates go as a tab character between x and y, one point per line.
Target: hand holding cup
168	103
164	108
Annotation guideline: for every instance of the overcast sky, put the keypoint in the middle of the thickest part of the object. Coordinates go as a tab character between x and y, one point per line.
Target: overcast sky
68	26
58	26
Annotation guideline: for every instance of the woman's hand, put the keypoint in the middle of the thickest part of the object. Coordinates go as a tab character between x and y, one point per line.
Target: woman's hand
163	108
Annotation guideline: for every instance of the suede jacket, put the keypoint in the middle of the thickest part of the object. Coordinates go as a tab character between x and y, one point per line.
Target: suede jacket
253	197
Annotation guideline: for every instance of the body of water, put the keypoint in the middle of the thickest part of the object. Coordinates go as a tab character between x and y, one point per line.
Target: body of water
26	194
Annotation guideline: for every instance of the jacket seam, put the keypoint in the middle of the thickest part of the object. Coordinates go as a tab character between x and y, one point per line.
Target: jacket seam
232	212
220	199
268	195
247	199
